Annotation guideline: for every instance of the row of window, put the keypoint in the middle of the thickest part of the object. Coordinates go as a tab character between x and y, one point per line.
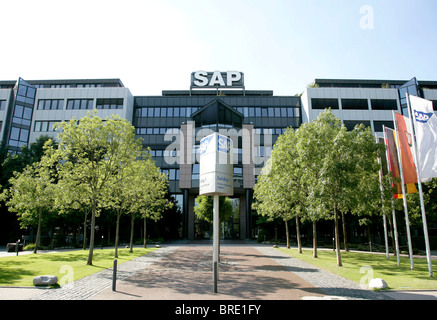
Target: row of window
50	104
80	104
262	112
161	131
44	126
97	85
354	104
157	130
172	174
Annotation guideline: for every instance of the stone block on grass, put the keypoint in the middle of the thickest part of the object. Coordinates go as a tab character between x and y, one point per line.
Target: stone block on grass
47	280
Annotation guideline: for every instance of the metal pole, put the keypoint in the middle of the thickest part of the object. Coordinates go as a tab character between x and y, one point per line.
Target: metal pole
395	227
216	240
114	275
419	182
382	203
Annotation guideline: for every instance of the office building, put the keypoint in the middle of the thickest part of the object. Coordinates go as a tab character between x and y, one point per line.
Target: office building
172	124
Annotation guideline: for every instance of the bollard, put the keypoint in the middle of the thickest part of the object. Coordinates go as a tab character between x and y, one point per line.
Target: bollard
114	275
17	244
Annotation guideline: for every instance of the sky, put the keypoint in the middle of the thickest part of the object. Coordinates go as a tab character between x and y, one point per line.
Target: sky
279	45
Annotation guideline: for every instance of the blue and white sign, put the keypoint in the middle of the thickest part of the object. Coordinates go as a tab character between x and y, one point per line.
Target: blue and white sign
216	165
422	116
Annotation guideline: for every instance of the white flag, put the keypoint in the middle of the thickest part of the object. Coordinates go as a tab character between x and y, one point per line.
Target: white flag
425	123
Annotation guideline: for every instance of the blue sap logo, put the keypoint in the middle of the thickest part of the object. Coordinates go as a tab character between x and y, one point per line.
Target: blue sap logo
223	144
204	144
422	116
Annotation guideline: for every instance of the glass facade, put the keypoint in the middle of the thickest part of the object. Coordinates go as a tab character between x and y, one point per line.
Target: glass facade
20	115
412	87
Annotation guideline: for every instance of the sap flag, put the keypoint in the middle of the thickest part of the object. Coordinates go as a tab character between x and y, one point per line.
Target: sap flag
425	124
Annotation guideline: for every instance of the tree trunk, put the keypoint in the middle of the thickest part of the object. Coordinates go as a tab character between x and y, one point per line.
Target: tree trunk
84	230
92	233
369	237
38	232
117	227
131	245
314	239
346	247
392	235
299	245
145	233
337	236
287	234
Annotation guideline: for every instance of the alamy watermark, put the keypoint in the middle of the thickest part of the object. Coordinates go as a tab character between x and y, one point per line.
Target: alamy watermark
368	275
367	21
255	145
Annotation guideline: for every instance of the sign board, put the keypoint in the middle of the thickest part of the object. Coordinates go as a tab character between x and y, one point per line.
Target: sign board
216	165
217	79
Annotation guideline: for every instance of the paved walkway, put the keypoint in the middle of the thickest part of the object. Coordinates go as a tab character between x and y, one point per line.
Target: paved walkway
184	272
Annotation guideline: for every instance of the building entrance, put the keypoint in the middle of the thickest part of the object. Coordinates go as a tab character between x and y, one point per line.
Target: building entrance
229	229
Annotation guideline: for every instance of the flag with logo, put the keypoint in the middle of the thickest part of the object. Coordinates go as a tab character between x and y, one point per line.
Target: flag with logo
393	164
405	144
392	159
425	124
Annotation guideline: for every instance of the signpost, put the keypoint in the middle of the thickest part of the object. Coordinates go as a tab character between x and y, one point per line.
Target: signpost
216	179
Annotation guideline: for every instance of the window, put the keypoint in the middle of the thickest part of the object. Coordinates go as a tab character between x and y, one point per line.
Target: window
196	171
350	124
109	103
172	174
378	125
264	112
22	115
238	171
18	137
381	104
324	103
354	104
44	126
150	112
79	104
50	104
277	112
2	104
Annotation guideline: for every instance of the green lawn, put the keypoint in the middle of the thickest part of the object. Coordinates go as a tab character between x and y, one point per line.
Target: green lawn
20	270
397	277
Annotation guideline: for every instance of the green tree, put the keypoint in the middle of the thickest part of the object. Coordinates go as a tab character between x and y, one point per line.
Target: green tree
31	195
90	154
204	208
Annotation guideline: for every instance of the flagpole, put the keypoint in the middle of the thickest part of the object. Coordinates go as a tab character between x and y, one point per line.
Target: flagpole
404	195
382	202
395	226
419	182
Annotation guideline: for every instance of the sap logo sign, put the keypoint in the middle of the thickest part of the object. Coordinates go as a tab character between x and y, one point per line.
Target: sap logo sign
223	144
422	116
217	79
204	144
